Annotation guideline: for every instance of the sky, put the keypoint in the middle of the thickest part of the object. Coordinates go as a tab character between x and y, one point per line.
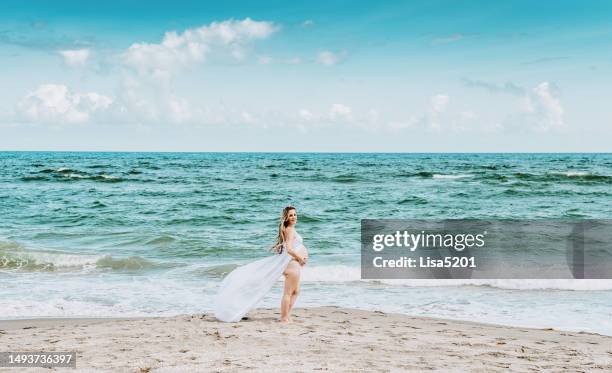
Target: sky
322	76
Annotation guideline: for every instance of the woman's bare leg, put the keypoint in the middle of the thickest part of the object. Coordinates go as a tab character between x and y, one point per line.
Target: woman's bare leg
294	295
292	278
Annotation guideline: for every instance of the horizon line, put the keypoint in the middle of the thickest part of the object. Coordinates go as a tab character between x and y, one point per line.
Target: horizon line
291	152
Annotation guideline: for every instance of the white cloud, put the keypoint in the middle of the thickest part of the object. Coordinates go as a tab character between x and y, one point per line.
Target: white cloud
141	102
341	112
305	114
146	95
179	110
96	101
308	23
247	117
327	58
180	50
75	58
548	105
439	103
540	110
54	103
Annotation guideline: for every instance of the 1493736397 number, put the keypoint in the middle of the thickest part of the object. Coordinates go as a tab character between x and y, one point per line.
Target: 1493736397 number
37	359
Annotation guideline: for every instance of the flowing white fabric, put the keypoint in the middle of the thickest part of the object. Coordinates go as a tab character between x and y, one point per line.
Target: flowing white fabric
245	286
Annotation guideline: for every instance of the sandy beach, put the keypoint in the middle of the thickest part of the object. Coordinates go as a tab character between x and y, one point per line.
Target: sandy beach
319	339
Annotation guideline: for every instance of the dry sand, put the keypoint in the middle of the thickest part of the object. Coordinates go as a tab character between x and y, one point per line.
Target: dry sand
319	339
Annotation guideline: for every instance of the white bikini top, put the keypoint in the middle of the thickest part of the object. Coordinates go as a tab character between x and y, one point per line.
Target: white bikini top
297	241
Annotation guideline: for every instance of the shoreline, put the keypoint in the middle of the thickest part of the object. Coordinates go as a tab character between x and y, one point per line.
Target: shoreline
41	322
321	338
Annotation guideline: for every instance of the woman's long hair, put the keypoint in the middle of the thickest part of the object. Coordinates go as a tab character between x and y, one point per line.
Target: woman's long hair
284	221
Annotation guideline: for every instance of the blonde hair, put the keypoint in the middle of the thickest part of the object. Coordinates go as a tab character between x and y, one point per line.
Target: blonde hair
284	221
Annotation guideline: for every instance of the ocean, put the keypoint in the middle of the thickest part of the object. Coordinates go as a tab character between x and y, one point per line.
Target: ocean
85	234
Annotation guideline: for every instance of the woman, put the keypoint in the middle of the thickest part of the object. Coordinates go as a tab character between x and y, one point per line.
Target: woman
244	287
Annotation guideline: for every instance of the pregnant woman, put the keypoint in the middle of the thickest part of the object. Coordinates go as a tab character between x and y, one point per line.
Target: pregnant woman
245	286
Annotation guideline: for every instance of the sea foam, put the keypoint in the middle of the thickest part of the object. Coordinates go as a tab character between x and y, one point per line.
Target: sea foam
441	176
342	273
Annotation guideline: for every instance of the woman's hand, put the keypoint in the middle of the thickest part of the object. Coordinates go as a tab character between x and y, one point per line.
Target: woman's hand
301	260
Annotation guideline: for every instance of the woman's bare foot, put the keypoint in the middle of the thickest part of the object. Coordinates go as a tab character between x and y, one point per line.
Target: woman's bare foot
285	321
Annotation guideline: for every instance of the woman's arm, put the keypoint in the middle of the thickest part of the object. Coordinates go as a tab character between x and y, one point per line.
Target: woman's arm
289	246
305	257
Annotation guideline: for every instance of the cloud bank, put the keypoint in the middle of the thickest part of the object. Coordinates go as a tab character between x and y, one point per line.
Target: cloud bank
180	50
55	103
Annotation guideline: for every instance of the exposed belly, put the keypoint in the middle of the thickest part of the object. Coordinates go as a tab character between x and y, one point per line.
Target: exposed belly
301	251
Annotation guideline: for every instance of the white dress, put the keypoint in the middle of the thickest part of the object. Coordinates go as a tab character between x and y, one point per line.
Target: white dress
244	287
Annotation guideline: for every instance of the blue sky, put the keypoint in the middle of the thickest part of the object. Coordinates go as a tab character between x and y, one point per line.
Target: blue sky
418	76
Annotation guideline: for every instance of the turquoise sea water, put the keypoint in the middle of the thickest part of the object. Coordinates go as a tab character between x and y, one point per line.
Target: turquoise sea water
128	234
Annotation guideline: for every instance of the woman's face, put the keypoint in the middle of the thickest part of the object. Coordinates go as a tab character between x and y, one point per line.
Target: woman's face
292	217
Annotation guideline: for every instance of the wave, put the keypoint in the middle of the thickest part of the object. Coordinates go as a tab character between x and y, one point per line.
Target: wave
440	176
569	176
76	176
69	174
216	271
429	175
413	200
341	179
104	177
347	178
98	204
267	166
162	240
424	174
576	173
125	264
510	284
343	273
99	166
34	178
496	176
309	219
495	166
15	257
332	273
